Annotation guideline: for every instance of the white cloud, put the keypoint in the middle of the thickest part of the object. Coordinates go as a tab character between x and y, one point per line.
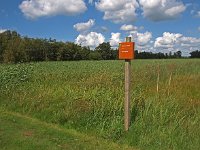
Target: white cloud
90	1
144	38
84	26
37	8
3	30
190	41
118	11
158	10
176	41
168	40
128	27
115	39
142	41
91	39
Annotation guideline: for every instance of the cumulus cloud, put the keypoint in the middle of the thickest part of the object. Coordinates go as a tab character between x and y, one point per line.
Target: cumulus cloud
115	39
142	40
176	41
90	1
38	8
158	10
190	42
91	39
118	11
128	27
168	40
3	30
84	26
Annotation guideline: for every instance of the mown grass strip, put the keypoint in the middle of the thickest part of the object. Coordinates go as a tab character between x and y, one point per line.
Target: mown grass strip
22	132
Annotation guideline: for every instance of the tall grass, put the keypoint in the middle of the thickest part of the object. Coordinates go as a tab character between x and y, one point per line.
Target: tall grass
89	95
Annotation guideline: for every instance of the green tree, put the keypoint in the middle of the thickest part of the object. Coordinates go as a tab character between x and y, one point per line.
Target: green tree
53	52
13	48
84	53
195	54
72	51
94	55
104	50
178	54
36	49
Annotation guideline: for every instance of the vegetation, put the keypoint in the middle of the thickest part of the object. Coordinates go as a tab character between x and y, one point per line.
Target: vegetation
195	54
88	96
20	132
14	48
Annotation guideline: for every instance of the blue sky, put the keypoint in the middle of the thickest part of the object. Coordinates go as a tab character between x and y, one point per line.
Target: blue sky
155	25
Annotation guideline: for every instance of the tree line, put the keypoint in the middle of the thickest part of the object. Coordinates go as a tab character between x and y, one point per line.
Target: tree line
14	48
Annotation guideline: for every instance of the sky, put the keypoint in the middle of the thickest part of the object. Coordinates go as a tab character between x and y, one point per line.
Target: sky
154	25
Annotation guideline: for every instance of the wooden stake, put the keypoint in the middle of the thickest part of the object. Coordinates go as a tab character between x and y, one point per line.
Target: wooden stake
127	91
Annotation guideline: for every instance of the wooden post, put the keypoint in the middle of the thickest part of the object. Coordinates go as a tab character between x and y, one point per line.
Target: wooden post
127	91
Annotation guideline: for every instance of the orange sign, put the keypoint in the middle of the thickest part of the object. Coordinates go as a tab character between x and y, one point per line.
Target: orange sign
126	50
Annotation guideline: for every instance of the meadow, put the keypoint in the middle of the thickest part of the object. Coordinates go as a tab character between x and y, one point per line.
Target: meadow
88	96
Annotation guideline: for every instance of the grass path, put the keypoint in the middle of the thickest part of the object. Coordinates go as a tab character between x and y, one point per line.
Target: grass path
24	133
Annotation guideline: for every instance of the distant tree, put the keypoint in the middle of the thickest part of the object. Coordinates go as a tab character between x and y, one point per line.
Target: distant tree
104	50
64	53
166	55
53	50
36	50
114	54
14	48
136	54
150	55
170	55
94	55
177	54
84	53
19	52
195	54
71	51
5	39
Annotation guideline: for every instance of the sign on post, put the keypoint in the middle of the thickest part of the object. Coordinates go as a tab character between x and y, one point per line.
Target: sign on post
126	52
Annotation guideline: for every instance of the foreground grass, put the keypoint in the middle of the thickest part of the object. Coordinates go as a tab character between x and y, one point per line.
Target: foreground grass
88	96
20	132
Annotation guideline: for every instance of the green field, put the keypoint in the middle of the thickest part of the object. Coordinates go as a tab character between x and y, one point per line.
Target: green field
18	132
88	96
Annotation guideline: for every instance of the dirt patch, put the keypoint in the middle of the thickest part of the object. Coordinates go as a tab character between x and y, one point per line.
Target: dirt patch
28	133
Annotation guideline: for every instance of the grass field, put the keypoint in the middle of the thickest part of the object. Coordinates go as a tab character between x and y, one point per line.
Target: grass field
88	96
21	132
